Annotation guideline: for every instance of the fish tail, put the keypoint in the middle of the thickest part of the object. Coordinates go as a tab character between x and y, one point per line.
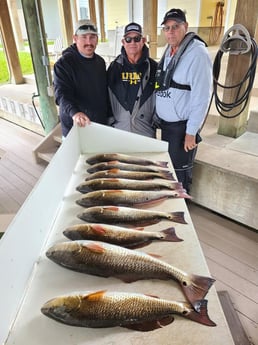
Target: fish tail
200	313
196	287
162	164
178	217
170	235
183	194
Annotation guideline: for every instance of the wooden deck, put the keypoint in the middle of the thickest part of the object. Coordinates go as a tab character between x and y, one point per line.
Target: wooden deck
230	249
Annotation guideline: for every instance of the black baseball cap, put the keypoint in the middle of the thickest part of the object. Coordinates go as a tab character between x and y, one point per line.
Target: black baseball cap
133	27
175	14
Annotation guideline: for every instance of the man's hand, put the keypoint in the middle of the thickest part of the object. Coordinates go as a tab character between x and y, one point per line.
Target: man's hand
81	119
190	142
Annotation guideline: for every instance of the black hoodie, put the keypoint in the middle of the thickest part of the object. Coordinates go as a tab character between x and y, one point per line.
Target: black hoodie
80	85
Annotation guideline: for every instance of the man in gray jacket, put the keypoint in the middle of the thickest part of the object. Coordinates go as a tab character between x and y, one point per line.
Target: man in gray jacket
131	79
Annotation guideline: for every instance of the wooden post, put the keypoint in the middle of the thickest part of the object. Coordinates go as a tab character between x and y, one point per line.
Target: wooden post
12	4
9	44
92	7
37	39
150	25
65	14
101	20
246	15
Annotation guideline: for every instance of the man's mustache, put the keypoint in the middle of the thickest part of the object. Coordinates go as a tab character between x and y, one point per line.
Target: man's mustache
88	46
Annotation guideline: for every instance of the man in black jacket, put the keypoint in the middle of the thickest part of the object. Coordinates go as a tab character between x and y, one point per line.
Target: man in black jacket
80	81
131	81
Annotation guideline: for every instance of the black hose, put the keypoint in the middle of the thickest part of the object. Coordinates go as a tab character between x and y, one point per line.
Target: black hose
33	103
241	97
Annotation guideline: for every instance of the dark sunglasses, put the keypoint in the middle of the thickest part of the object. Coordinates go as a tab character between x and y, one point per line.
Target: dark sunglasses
135	39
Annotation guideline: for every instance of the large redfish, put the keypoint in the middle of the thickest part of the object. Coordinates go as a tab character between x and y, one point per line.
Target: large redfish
105	157
108	260
129	238
122	183
135	175
128	216
99	309
124	197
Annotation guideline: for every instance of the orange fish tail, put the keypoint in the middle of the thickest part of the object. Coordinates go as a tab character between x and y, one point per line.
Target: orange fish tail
200	314
198	287
170	235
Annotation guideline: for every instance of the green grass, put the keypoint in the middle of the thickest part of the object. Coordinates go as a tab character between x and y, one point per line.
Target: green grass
26	66
25	61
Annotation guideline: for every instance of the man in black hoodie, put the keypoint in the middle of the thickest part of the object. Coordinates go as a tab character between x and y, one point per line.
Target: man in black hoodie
131	80
80	81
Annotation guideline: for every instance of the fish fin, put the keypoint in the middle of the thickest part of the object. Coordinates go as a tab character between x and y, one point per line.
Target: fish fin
147	326
112	208
170	235
94	296
197	288
157	256
113	171
98	229
94	247
138	245
127	278
178	217
200	314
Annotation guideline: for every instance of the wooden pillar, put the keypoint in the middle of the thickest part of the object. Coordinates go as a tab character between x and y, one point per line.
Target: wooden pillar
38	46
9	44
101	20
150	25
12	4
246	14
65	14
92	7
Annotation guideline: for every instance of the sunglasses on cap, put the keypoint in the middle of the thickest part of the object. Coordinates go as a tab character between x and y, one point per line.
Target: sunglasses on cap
135	39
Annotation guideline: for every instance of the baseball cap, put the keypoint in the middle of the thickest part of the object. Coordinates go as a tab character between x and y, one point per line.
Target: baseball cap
85	26
175	14
133	27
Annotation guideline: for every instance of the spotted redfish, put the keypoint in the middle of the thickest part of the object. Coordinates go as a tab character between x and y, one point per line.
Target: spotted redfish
99	309
122	183
135	175
129	238
122	166
124	197
105	157
128	216
109	260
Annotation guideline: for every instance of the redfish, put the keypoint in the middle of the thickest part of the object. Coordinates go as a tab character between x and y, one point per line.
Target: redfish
109	260
99	309
122	183
127	216
129	238
105	157
122	166
124	197
135	175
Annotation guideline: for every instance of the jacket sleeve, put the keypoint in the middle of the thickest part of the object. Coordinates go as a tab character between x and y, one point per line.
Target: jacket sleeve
65	87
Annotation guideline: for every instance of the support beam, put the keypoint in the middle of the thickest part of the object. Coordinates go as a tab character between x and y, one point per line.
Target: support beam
92	7
102	21
246	14
9	45
150	8
65	14
12	4
37	39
